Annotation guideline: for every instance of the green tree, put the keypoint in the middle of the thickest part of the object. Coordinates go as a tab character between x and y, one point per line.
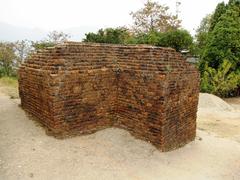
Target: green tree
154	17
119	35
151	38
219	11
223	41
177	39
7	57
202	34
222	81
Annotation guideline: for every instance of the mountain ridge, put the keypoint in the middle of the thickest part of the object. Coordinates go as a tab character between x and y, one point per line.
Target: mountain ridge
11	33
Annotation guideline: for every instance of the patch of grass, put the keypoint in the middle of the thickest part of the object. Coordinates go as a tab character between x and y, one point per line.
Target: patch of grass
9	81
9	86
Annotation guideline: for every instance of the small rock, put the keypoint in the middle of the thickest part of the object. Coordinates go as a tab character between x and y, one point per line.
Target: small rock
31	175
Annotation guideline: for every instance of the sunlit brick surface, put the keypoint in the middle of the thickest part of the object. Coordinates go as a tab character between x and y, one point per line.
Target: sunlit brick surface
79	88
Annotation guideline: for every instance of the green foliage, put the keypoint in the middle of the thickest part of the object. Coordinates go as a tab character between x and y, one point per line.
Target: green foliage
42	45
219	11
153	25
177	39
223	41
9	81
202	34
7	57
9	86
221	81
152	38
218	39
109	35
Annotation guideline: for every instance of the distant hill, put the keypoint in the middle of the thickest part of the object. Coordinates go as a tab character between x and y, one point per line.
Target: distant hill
13	33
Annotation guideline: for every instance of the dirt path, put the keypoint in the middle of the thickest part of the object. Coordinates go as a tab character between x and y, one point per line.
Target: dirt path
26	152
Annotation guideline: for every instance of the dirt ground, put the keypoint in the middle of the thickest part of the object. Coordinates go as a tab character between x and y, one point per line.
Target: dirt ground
26	152
224	121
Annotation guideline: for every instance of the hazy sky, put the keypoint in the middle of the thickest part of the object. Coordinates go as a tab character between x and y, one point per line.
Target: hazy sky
61	14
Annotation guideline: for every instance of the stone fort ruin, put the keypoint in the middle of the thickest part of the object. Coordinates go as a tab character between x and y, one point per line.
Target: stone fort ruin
79	88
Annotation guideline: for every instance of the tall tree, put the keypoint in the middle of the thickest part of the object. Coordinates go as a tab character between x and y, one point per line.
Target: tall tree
202	34
223	41
22	49
154	17
219	11
221	51
7	57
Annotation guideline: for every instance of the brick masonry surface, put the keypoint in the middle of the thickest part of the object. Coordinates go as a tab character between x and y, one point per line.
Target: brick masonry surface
79	88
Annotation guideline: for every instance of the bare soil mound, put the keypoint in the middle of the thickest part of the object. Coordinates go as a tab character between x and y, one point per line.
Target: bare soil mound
219	116
213	102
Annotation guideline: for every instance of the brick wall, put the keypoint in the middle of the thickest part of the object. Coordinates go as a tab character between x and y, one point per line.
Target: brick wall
79	88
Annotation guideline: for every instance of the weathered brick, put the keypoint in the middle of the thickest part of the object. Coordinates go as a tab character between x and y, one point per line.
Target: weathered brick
79	88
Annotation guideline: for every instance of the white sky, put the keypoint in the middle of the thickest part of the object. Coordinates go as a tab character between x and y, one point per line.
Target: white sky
61	14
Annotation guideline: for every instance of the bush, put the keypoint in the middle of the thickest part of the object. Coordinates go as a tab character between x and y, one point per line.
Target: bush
7	57
177	39
109	35
222	81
